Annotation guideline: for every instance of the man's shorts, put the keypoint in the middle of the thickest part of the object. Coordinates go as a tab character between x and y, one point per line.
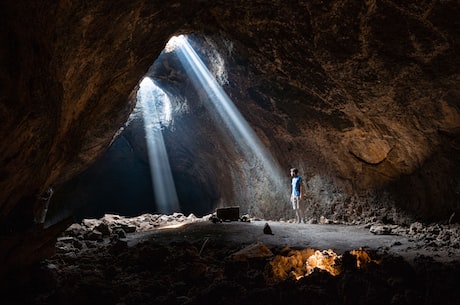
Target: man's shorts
295	202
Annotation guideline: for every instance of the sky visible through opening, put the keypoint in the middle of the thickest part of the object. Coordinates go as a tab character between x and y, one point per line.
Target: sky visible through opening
156	111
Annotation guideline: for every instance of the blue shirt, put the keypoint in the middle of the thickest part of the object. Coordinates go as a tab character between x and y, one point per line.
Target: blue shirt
296	181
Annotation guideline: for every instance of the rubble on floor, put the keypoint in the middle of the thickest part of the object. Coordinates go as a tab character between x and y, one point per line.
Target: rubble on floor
110	261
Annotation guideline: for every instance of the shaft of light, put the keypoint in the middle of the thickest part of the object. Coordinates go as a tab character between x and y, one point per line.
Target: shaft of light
243	135
162	179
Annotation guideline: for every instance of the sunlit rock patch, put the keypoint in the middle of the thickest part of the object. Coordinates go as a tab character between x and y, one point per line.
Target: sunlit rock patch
300	263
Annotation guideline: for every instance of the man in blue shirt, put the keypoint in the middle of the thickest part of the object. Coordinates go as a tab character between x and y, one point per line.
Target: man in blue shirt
296	195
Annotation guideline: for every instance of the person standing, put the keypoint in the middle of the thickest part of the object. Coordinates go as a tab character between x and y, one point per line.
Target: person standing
296	194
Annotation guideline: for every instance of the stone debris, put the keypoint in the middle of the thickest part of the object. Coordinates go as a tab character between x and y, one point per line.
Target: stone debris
111	224
117	260
428	236
381	229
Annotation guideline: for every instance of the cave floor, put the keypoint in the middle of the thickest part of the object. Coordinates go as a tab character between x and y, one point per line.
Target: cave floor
196	262
337	237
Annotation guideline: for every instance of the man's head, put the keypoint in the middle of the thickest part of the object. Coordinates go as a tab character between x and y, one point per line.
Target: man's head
294	172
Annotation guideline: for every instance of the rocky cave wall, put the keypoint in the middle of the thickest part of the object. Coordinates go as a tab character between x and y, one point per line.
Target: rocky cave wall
372	106
361	96
201	159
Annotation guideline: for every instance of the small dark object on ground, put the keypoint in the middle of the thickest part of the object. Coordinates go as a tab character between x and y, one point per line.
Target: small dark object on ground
228	213
267	229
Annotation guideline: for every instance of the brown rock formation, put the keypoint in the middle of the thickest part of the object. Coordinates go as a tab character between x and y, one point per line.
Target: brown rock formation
361	97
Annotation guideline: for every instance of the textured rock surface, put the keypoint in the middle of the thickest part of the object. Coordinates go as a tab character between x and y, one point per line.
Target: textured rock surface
361	97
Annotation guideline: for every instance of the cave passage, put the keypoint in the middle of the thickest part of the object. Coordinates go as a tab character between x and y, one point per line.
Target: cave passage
156	111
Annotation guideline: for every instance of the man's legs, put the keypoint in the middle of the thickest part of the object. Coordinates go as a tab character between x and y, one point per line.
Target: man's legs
301	213
297	214
297	209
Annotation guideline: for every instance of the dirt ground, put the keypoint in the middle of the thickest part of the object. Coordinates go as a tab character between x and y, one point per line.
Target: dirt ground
177	260
339	238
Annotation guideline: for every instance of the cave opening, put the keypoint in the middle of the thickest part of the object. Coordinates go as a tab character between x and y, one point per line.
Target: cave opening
185	148
253	159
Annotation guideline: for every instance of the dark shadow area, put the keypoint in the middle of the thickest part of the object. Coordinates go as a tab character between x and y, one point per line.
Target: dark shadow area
193	196
424	186
118	183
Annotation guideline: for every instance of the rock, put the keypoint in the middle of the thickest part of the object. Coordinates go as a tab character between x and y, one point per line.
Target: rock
191	216
94	235
267	229
254	251
324	220
110	218
215	219
119	232
179	216
380	230
66	239
91	223
415	227
103	228
369	148
74	230
289	263
129	228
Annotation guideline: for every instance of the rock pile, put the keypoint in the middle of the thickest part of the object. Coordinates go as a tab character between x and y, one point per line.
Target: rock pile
116	226
433	237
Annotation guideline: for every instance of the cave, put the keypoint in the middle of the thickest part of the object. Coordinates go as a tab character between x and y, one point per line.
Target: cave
361	97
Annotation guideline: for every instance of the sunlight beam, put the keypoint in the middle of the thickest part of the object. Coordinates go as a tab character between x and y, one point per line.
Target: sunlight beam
244	136
156	113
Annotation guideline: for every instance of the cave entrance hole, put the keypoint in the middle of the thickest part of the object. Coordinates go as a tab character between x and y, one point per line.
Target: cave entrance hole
261	173
134	178
197	184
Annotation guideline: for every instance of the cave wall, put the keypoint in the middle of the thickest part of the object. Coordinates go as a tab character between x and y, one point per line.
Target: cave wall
57	83
358	96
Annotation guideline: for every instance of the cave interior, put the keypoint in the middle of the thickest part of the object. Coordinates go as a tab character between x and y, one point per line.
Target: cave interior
361	97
